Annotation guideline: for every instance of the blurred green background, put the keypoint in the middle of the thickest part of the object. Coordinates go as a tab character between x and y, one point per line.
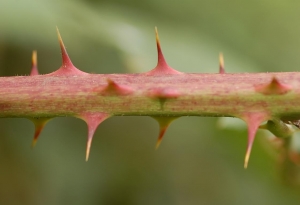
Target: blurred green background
197	162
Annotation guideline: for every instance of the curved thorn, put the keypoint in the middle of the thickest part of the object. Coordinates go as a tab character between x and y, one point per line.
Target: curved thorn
67	67
162	68
66	61
160	57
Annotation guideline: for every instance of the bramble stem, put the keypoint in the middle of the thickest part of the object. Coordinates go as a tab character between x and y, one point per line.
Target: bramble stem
197	95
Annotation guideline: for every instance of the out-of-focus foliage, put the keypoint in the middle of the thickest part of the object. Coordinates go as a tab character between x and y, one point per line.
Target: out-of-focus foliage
197	163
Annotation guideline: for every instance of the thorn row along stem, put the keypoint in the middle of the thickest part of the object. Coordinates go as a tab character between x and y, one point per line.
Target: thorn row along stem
196	95
162	93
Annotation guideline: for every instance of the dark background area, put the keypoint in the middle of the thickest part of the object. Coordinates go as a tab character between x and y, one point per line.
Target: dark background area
200	160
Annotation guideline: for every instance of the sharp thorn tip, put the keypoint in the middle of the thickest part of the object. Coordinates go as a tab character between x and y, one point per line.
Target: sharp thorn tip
34	141
221	63
157	144
247	158
34	69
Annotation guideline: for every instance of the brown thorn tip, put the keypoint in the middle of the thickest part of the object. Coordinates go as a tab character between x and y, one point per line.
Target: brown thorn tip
34	69
162	132
221	63
157	40
157	143
164	123
39	126
34	141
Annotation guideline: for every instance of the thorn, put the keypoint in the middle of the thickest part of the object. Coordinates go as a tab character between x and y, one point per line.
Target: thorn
67	67
253	121
221	63
39	124
273	88
92	120
160	57
34	69
66	61
162	67
112	88
163	94
164	123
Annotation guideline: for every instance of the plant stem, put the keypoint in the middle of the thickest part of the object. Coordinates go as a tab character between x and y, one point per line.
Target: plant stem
196	94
